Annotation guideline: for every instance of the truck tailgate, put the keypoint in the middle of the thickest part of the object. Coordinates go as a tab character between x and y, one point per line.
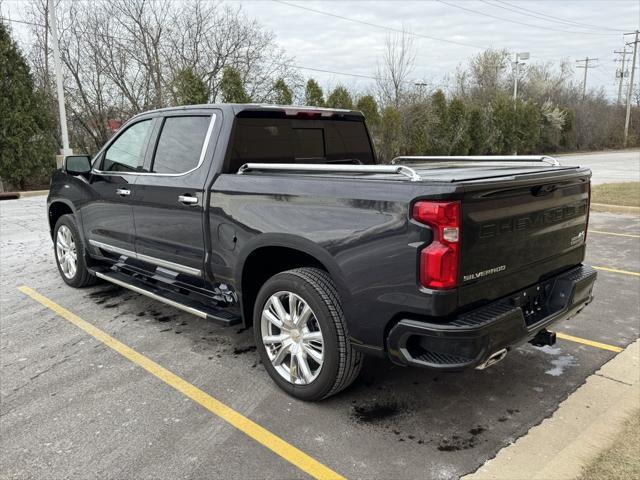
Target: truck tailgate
517	233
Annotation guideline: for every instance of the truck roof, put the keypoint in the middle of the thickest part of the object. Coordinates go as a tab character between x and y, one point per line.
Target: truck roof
236	108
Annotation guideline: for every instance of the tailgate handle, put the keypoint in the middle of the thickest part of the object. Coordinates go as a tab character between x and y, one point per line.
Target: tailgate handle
542	190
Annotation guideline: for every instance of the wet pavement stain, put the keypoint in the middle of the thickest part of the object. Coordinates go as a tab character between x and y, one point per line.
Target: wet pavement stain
241	350
456	443
107	293
373	412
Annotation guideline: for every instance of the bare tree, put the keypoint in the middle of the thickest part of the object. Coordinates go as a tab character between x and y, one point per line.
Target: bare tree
548	82
485	75
123	56
393	72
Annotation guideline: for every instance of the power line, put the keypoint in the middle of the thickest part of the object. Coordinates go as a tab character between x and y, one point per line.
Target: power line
22	21
332	71
398	30
570	22
300	67
478	12
383	27
603	76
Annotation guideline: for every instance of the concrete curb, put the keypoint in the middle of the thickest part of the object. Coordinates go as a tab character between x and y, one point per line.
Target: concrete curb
34	193
603	207
584	424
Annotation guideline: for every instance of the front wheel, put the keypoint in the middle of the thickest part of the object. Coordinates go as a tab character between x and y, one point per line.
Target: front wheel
69	253
302	336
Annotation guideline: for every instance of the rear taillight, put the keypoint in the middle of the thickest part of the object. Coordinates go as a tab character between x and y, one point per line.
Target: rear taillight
440	260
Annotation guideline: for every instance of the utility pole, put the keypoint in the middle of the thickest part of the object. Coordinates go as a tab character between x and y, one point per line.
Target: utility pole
623	53
519	56
630	91
58	67
586	67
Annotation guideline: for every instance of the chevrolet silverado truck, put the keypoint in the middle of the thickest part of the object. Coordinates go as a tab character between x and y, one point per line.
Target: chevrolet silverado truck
281	219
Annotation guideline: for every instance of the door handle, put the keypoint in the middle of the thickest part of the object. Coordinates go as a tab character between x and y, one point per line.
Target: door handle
123	192
188	200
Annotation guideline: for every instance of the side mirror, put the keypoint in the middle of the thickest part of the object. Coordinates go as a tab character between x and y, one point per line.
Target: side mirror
77	164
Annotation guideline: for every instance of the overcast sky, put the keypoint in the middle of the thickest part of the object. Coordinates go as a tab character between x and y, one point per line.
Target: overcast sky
549	29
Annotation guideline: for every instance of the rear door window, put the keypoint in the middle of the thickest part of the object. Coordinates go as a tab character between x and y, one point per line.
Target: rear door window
180	144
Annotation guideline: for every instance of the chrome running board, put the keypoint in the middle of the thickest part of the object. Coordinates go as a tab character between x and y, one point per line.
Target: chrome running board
155	296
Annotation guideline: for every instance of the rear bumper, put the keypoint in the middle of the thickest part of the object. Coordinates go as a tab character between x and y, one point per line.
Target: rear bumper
471	338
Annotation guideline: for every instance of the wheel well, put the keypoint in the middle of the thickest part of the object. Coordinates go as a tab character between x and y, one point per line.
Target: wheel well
262	264
56	210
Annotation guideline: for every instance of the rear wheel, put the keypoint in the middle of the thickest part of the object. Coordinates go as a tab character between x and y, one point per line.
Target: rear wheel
69	253
301	335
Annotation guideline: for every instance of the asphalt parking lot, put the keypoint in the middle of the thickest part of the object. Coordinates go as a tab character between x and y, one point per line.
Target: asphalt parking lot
71	407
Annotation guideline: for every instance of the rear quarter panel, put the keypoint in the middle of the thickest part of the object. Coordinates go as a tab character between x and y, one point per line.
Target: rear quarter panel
359	229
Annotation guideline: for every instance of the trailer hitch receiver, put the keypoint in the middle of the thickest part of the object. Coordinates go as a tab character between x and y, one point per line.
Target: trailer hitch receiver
543	337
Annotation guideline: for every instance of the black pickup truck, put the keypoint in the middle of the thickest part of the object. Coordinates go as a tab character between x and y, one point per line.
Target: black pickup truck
281	219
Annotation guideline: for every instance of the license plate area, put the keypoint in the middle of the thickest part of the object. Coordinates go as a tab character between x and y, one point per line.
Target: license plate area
534	302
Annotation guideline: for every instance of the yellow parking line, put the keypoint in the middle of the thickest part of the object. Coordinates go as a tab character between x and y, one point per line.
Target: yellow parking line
591	343
600	232
615	270
260	434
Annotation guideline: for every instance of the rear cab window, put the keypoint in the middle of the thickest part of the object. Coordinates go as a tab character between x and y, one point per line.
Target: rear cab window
261	138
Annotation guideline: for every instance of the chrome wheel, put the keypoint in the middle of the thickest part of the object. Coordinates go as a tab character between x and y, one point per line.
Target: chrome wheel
292	338
66	252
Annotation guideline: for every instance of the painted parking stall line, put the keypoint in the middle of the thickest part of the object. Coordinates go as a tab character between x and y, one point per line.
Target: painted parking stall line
615	234
591	343
258	433
616	270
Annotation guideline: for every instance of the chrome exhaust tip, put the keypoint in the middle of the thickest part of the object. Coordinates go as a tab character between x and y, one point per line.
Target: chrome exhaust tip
493	359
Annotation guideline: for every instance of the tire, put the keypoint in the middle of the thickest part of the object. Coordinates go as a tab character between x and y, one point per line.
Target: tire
340	364
67	244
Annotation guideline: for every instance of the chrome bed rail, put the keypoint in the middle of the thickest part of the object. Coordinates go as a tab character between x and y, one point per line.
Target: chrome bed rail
312	167
478	158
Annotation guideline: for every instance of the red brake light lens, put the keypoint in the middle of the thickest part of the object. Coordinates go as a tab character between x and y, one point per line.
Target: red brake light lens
440	260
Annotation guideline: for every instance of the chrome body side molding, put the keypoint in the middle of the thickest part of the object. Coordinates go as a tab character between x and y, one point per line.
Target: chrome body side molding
146	258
